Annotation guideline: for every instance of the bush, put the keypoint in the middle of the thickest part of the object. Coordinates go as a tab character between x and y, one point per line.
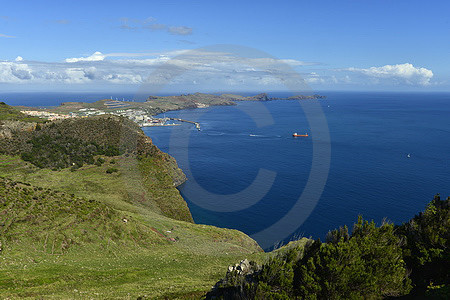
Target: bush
61	143
111	170
367	265
99	161
364	265
59	151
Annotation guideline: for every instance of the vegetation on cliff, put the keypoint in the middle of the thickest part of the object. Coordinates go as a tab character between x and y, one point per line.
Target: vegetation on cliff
427	247
370	263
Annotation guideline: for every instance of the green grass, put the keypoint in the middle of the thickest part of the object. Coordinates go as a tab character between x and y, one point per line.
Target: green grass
155	273
82	248
139	186
10	113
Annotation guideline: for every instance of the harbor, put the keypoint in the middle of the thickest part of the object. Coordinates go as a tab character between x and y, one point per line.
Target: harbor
197	125
164	122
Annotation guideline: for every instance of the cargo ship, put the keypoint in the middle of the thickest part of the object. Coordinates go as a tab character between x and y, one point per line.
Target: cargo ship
295	134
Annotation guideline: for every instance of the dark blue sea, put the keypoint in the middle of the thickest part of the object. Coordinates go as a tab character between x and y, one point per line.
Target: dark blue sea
370	174
389	155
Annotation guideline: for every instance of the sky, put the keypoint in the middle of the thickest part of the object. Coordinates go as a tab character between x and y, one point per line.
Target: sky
212	46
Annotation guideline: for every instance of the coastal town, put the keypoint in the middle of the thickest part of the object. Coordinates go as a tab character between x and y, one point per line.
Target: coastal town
139	116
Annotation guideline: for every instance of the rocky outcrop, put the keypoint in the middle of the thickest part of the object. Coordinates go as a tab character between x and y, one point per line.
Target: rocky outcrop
236	280
244	267
259	97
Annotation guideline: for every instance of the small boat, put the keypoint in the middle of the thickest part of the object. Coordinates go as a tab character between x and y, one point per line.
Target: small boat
408	156
295	134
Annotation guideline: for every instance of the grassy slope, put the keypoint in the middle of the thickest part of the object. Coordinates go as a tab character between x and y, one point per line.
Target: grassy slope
10	113
63	233
120	267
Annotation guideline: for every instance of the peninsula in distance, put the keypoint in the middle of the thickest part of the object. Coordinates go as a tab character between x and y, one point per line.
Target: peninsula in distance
142	112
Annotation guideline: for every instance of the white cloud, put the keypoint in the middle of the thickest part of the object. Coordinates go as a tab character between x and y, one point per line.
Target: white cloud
6	36
313	77
180	30
400	73
97	56
204	69
11	72
294	62
75	75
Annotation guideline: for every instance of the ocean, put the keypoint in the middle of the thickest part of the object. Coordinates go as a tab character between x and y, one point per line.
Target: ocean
370	173
389	157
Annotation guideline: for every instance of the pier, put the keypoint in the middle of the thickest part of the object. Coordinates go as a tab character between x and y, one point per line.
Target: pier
197	125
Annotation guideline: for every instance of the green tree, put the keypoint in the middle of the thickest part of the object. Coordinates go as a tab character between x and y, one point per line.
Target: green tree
426	250
368	264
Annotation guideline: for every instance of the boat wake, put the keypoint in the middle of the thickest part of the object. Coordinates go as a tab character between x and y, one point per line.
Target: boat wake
264	136
215	133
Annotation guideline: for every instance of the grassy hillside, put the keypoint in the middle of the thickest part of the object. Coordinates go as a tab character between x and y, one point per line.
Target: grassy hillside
12	114
55	244
113	226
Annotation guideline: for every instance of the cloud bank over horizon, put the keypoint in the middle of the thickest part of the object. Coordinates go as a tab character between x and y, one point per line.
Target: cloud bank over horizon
199	69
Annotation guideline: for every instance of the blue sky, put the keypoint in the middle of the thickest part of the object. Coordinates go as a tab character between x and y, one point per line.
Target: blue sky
337	45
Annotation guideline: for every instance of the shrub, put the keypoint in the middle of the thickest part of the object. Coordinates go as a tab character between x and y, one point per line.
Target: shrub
111	170
366	264
99	161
